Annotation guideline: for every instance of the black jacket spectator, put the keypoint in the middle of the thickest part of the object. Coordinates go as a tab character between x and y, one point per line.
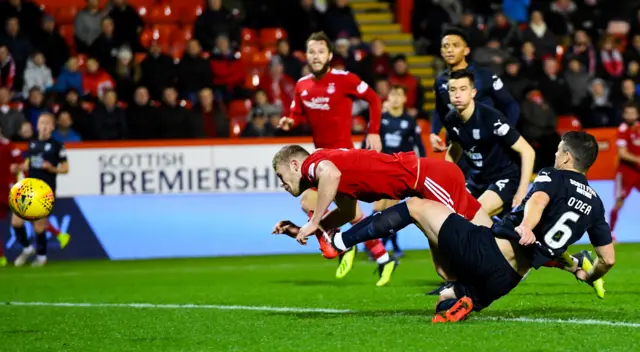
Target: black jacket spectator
555	88
105	47
128	24
292	65
259	125
194	72
505	31
474	34
27	12
596	109
263	13
538	124
109	121
540	35
559	18
142	116
158	71
175	121
126	74
302	21
80	118
214	21
340	21
214	125
52	45
19	47
515	80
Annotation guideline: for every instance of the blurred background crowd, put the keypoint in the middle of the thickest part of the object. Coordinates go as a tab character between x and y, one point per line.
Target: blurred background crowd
145	69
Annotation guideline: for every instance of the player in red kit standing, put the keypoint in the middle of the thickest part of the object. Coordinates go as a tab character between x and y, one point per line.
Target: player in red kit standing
628	175
10	161
324	99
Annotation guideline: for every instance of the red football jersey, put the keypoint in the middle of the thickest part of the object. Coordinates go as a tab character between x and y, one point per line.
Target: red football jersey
327	103
369	176
629	136
9	154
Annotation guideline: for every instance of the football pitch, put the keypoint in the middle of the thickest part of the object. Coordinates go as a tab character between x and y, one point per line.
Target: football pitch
294	303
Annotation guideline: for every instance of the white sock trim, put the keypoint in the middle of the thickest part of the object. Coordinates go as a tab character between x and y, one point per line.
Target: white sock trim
337	241
383	258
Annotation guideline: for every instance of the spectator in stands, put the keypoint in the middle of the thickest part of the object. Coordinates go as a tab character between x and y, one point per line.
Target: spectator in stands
628	94
530	65
88	26
540	35
591	16
340	21
577	79
261	100
27	12
279	87
492	55
427	21
37	74
63	132
554	87
215	20
52	45
228	71
415	92
158	71
7	68
126	74
215	125
503	30
515	81
469	24
69	78
194	72
292	65
301	22
264	14
258	126
128	24
10	119
34	106
559	17
343	58
79	116
175	121
381	61
95	80
632	52
596	109
584	51
25	133
633	71
610	60
105	47
109	121
537	125
142	116
19	47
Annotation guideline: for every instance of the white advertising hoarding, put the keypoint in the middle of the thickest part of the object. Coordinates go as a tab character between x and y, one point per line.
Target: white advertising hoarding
170	170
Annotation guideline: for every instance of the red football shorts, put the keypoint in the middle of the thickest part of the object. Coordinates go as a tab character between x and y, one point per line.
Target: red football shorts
627	178
447	186
4	206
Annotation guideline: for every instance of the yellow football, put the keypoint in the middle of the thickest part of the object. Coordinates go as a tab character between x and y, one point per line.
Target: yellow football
31	199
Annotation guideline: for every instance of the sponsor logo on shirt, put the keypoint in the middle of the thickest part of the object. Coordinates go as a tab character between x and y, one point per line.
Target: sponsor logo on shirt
362	87
320	103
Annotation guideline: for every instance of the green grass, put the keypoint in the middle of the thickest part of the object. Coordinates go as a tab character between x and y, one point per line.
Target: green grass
393	318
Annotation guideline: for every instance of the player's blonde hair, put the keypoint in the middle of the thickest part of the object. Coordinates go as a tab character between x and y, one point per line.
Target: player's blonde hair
287	153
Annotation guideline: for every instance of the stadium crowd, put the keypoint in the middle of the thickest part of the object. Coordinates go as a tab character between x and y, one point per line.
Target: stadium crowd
114	71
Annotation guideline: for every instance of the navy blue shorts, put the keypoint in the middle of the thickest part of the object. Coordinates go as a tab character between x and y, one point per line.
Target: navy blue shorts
482	272
506	188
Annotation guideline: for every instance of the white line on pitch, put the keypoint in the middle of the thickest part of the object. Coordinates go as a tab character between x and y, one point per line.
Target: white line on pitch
180	306
562	321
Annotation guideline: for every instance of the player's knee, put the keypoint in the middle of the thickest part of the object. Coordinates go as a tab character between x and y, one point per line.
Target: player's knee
378	206
414	205
308	200
16	221
40	226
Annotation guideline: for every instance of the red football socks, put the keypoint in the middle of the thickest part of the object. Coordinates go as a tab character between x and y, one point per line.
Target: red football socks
54	231
613	218
376	248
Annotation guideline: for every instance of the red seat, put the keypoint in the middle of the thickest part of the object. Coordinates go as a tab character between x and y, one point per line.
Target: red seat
269	36
261	58
146	36
567	124
65	14
164	32
143	11
161	14
236	126
247	52
139	57
239	108
177	50
299	54
249	37
82	60
188	13
66	32
138	3
182	35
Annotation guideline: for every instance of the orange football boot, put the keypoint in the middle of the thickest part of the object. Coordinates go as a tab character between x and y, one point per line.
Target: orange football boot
457	312
326	247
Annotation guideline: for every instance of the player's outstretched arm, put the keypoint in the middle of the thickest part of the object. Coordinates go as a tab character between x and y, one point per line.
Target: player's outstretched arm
454	152
604	263
528	158
626	155
344	212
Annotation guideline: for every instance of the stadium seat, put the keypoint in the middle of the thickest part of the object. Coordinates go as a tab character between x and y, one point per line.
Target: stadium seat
299	54
139	3
65	14
239	108
161	14
261	59
246	53
177	50
236	126
82	60
146	37
269	36
66	32
143	11
567	124
88	106
163	33
249	37
182	35
139	57
187	13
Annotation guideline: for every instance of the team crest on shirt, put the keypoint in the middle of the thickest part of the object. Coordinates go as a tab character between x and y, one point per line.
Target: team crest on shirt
332	88
47	147
476	133
404	124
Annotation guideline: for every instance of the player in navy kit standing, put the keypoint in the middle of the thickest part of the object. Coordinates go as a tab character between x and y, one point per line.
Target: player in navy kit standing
46	158
490	88
487	141
399	132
